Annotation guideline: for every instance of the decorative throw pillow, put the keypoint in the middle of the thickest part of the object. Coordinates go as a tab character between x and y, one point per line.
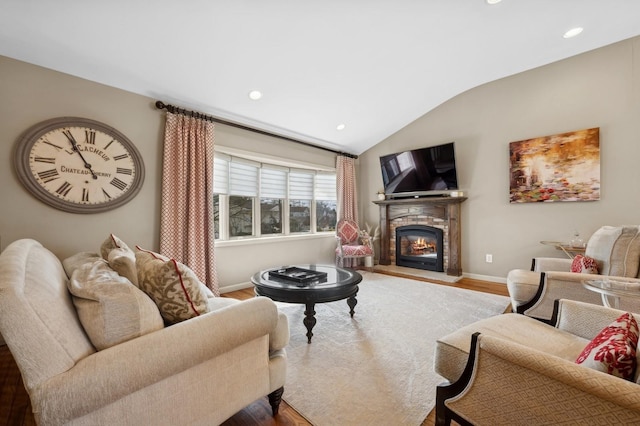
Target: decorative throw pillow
112	242
71	263
613	350
120	257
348	231
173	286
584	265
110	308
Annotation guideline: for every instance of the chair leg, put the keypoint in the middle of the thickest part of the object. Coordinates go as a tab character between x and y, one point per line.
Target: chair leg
275	398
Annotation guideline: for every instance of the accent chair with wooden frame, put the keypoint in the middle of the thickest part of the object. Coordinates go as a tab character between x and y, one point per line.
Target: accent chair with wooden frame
352	244
616	251
514	369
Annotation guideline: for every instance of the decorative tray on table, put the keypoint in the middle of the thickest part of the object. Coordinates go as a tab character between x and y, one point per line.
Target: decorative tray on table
298	275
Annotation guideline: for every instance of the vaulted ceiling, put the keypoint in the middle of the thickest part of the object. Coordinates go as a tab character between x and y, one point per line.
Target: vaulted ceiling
373	66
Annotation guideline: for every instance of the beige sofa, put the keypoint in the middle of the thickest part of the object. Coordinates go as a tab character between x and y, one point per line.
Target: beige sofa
519	370
199	371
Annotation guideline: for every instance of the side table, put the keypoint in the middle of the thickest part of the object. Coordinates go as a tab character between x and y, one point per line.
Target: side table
612	290
567	248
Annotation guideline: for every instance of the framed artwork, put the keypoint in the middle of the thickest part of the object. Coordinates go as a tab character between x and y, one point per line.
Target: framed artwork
562	167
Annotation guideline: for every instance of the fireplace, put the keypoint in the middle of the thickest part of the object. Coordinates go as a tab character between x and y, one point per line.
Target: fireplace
440	212
420	246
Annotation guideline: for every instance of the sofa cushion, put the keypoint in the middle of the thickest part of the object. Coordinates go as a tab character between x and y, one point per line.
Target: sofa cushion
110	308
452	350
616	249
120	257
584	265
174	287
613	350
626	253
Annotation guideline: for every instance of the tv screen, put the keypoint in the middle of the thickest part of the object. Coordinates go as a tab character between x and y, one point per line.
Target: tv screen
420	171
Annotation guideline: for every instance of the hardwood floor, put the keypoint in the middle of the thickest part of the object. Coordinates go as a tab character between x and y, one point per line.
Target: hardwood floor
15	407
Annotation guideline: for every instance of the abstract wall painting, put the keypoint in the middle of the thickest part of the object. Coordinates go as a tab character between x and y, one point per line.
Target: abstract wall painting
562	167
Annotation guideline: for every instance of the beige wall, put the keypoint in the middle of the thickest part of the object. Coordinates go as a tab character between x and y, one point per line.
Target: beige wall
30	94
596	89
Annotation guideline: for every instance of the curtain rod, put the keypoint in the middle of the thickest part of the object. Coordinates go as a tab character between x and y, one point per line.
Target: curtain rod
177	110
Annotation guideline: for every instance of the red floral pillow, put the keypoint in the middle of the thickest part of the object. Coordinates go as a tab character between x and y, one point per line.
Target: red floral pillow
613	350
584	265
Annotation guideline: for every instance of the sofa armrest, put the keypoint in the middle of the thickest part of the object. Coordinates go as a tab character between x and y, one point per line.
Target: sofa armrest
113	373
544	264
279	337
508	383
559	285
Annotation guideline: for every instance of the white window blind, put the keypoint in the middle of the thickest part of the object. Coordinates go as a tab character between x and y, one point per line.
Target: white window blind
220	174
300	185
273	182
244	179
325	186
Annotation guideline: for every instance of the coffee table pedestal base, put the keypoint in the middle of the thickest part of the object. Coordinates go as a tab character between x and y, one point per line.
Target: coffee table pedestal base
310	319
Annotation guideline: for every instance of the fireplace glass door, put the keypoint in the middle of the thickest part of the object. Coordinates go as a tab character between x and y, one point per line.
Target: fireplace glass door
420	246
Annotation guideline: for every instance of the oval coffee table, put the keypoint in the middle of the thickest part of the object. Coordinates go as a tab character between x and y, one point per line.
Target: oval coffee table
308	284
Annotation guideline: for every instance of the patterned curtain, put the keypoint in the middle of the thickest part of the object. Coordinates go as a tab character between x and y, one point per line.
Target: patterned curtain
347	194
186	221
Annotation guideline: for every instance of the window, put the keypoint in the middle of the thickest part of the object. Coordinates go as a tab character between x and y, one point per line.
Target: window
273	192
253	199
243	190
240	216
326	203
270	216
300	196
216	215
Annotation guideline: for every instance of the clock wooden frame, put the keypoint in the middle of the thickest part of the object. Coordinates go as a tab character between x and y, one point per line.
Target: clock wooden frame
23	165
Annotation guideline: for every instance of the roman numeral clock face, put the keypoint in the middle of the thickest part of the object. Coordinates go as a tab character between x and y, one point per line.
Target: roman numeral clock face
79	165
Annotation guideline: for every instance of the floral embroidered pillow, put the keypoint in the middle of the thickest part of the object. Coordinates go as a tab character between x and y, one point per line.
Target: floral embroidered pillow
613	350
174	287
584	265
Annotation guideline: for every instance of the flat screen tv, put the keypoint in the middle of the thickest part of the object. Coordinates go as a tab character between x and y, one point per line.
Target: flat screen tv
424	171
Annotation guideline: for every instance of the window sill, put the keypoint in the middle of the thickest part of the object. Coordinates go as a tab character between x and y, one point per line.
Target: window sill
272	240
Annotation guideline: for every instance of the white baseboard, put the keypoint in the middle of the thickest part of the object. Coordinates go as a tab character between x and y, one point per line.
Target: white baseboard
242	286
501	280
235	287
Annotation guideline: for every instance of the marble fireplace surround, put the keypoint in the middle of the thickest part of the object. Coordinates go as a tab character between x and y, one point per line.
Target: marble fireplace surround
443	212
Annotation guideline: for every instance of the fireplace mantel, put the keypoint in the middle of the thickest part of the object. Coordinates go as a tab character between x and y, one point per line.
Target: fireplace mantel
445	208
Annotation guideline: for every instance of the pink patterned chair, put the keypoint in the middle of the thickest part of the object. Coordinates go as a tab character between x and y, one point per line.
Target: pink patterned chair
352	243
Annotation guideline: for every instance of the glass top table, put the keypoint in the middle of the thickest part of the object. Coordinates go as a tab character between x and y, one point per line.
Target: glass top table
325	283
567	248
612	290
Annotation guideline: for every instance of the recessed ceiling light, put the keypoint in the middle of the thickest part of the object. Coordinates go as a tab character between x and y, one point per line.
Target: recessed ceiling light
573	32
340	126
493	1
255	95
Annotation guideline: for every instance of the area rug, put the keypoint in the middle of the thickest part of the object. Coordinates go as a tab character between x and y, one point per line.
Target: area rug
377	368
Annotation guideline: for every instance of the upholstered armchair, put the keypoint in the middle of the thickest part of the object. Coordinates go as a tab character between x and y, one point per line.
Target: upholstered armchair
352	243
514	369
615	250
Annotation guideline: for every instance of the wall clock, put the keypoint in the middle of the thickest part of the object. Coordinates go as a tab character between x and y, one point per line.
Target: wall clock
79	165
